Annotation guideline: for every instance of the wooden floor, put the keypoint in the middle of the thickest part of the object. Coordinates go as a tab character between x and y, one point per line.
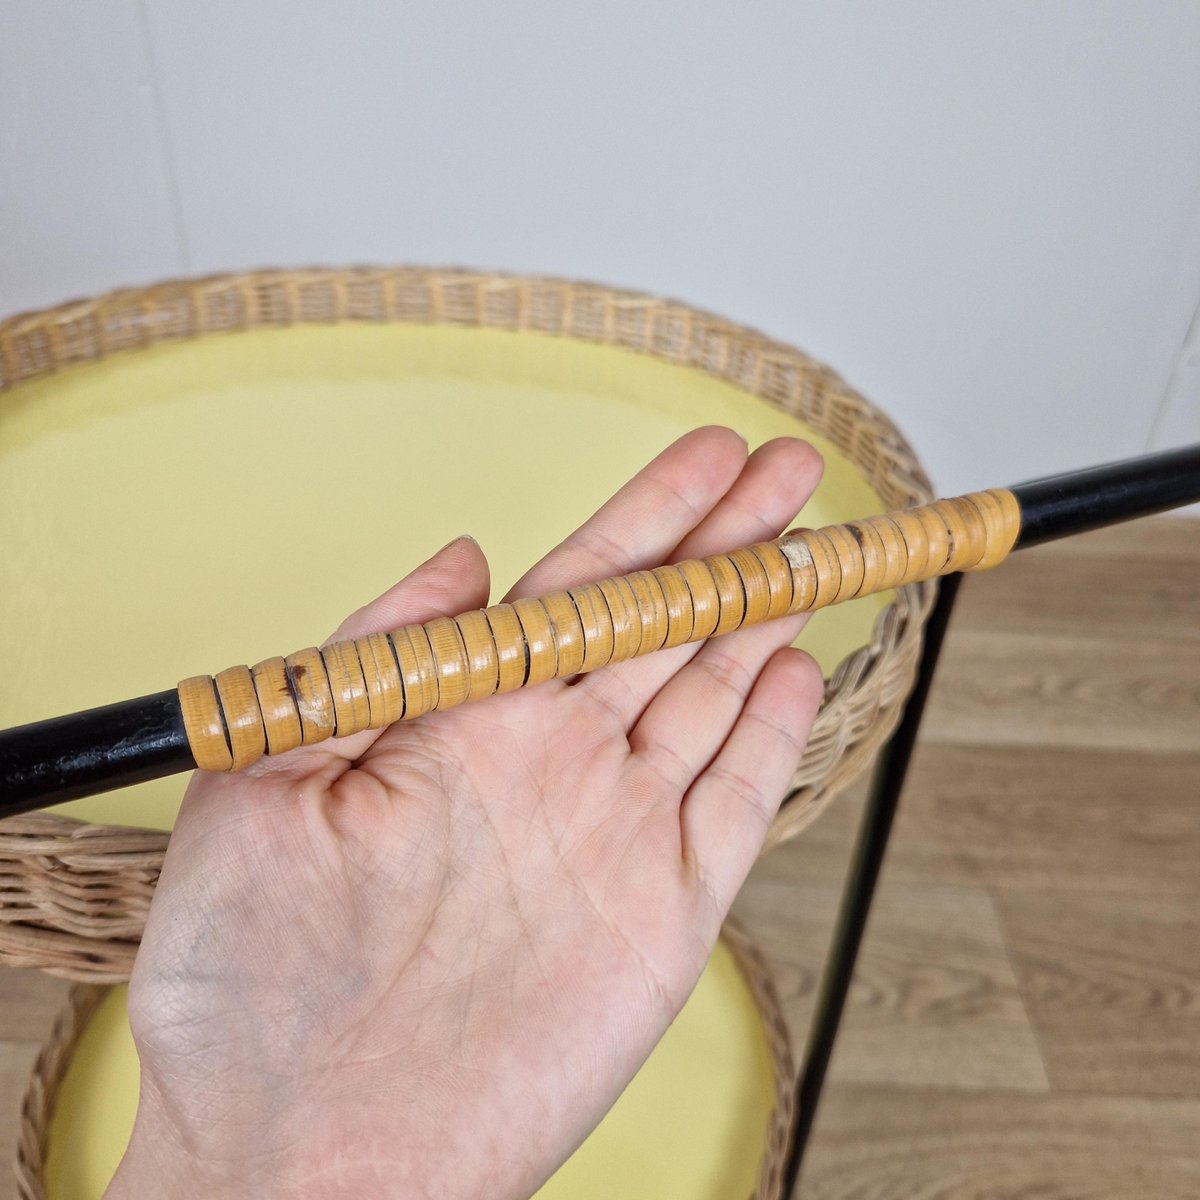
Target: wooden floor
1026	1017
1025	1020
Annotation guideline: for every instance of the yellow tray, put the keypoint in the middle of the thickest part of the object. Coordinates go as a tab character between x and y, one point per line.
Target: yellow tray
693	1125
155	506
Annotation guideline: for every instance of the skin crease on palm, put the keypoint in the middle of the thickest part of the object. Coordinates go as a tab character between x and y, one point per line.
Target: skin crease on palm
424	962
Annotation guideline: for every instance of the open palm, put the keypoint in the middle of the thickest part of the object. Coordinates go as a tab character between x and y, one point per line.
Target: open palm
425	961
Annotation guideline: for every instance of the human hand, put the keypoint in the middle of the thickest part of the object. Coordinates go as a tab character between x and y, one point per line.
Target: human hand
424	961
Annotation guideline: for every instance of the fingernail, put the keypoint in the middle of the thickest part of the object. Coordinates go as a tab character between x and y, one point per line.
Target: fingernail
462	537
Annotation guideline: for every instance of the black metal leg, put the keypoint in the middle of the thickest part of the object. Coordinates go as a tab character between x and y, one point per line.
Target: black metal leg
886	785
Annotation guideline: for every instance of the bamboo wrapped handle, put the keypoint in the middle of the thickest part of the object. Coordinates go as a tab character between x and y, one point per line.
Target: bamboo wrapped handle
245	712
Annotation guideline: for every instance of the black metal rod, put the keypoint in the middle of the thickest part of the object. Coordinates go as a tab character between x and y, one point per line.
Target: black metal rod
93	751
859	889
1062	505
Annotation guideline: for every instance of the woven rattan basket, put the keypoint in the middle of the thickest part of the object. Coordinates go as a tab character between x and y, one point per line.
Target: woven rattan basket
73	896
54	1058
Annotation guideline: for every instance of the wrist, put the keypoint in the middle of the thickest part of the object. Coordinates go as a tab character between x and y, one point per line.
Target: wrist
169	1158
158	1162
296	1160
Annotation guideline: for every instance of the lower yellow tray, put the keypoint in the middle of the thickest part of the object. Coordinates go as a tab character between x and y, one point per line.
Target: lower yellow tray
692	1125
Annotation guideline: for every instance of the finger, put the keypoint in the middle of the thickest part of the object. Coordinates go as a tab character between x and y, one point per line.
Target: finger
728	810
647	518
688	721
453	581
777	481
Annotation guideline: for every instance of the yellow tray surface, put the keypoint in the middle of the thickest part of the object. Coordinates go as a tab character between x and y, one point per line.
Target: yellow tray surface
180	509
692	1125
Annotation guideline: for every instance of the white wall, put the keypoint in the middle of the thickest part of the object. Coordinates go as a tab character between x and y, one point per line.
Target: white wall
986	214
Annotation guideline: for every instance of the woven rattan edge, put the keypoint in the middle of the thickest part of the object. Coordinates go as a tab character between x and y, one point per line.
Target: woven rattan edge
38	343
50	1068
46	889
757	975
858	728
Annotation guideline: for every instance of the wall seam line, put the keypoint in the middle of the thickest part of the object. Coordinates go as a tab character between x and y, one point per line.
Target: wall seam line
174	194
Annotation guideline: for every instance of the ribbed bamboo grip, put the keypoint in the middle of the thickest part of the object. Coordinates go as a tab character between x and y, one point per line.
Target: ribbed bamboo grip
370	682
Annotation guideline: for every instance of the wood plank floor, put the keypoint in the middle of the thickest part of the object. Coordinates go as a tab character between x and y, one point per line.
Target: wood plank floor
1025	1021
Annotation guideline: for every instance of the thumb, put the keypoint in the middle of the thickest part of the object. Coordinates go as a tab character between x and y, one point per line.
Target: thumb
455	580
